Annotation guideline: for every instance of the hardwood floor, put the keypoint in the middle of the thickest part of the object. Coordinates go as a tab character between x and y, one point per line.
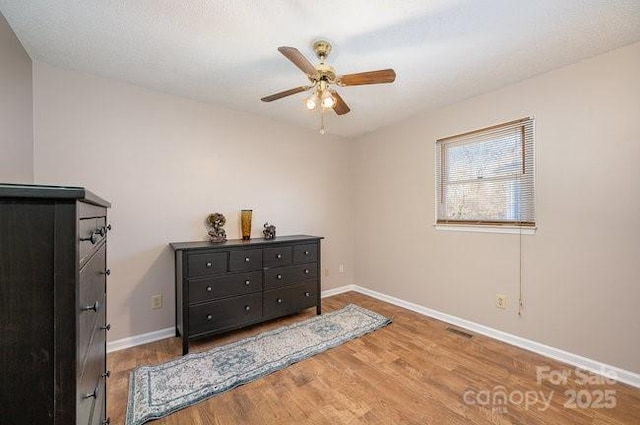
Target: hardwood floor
413	371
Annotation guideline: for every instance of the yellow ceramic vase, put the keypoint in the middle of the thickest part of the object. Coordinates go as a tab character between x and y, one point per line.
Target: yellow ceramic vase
245	221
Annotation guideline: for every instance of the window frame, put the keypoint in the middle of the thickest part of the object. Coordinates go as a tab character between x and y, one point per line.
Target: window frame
527	127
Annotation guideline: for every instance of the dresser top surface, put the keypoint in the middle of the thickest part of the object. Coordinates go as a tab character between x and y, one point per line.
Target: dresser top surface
50	192
236	243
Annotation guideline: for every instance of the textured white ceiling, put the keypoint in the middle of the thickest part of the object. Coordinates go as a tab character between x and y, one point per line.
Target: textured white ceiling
224	52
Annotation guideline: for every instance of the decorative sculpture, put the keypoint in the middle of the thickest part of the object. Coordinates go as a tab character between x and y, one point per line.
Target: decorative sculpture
217	233
269	231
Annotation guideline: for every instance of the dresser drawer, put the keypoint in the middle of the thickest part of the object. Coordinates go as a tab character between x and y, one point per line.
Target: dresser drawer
305	253
88	335
277	256
289	275
91	285
250	259
91	385
87	210
207	263
224	286
91	232
91	294
278	302
224	314
98	415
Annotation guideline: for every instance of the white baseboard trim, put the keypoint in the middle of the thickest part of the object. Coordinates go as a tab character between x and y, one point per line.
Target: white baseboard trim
617	373
339	290
576	360
132	341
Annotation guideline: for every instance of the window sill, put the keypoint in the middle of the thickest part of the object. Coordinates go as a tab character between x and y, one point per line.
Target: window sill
486	229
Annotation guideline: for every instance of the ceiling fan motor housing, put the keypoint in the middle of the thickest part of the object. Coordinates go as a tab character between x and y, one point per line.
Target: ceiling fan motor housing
325	72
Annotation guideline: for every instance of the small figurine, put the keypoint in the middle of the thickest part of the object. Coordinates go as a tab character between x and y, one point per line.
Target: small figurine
269	231
217	233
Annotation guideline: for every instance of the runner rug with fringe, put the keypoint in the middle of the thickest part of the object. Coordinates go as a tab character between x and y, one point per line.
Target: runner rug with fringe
157	391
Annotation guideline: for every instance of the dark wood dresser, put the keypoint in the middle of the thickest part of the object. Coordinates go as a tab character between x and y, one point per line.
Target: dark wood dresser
53	257
229	285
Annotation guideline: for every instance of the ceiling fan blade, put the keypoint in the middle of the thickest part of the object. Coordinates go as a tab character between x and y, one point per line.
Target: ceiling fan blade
285	93
340	107
371	77
298	59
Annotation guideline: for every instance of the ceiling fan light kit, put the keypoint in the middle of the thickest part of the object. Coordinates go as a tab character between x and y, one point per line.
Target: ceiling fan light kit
311	102
322	76
327	100
321	96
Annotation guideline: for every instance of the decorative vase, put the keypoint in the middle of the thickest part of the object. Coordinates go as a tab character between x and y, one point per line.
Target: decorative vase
245	220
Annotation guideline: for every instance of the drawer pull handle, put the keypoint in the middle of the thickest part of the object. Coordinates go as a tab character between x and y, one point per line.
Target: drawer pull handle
307	294
306	271
208	264
93	394
104	230
279	300
247	259
306	253
93	307
279	277
209	317
247	308
107	374
279	256
209	289
106	272
106	327
247	282
106	421
93	238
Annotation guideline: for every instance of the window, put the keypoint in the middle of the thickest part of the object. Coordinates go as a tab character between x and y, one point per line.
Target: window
486	177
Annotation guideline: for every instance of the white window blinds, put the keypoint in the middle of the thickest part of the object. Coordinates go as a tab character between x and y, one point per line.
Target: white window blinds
486	177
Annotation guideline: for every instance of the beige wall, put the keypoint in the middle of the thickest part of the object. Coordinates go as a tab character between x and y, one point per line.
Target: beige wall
166	163
581	269
16	109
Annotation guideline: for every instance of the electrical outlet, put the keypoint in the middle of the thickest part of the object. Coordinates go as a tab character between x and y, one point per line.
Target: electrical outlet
501	301
341	268
156	301
326	271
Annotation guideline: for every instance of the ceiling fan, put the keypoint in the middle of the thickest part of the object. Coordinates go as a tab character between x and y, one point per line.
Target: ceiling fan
323	76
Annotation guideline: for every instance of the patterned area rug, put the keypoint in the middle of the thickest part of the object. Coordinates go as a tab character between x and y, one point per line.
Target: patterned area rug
157	391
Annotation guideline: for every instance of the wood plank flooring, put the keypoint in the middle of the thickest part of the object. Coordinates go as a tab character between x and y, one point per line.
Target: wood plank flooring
413	371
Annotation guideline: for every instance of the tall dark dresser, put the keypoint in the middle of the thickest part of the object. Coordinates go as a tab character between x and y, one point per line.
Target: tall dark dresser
53	270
